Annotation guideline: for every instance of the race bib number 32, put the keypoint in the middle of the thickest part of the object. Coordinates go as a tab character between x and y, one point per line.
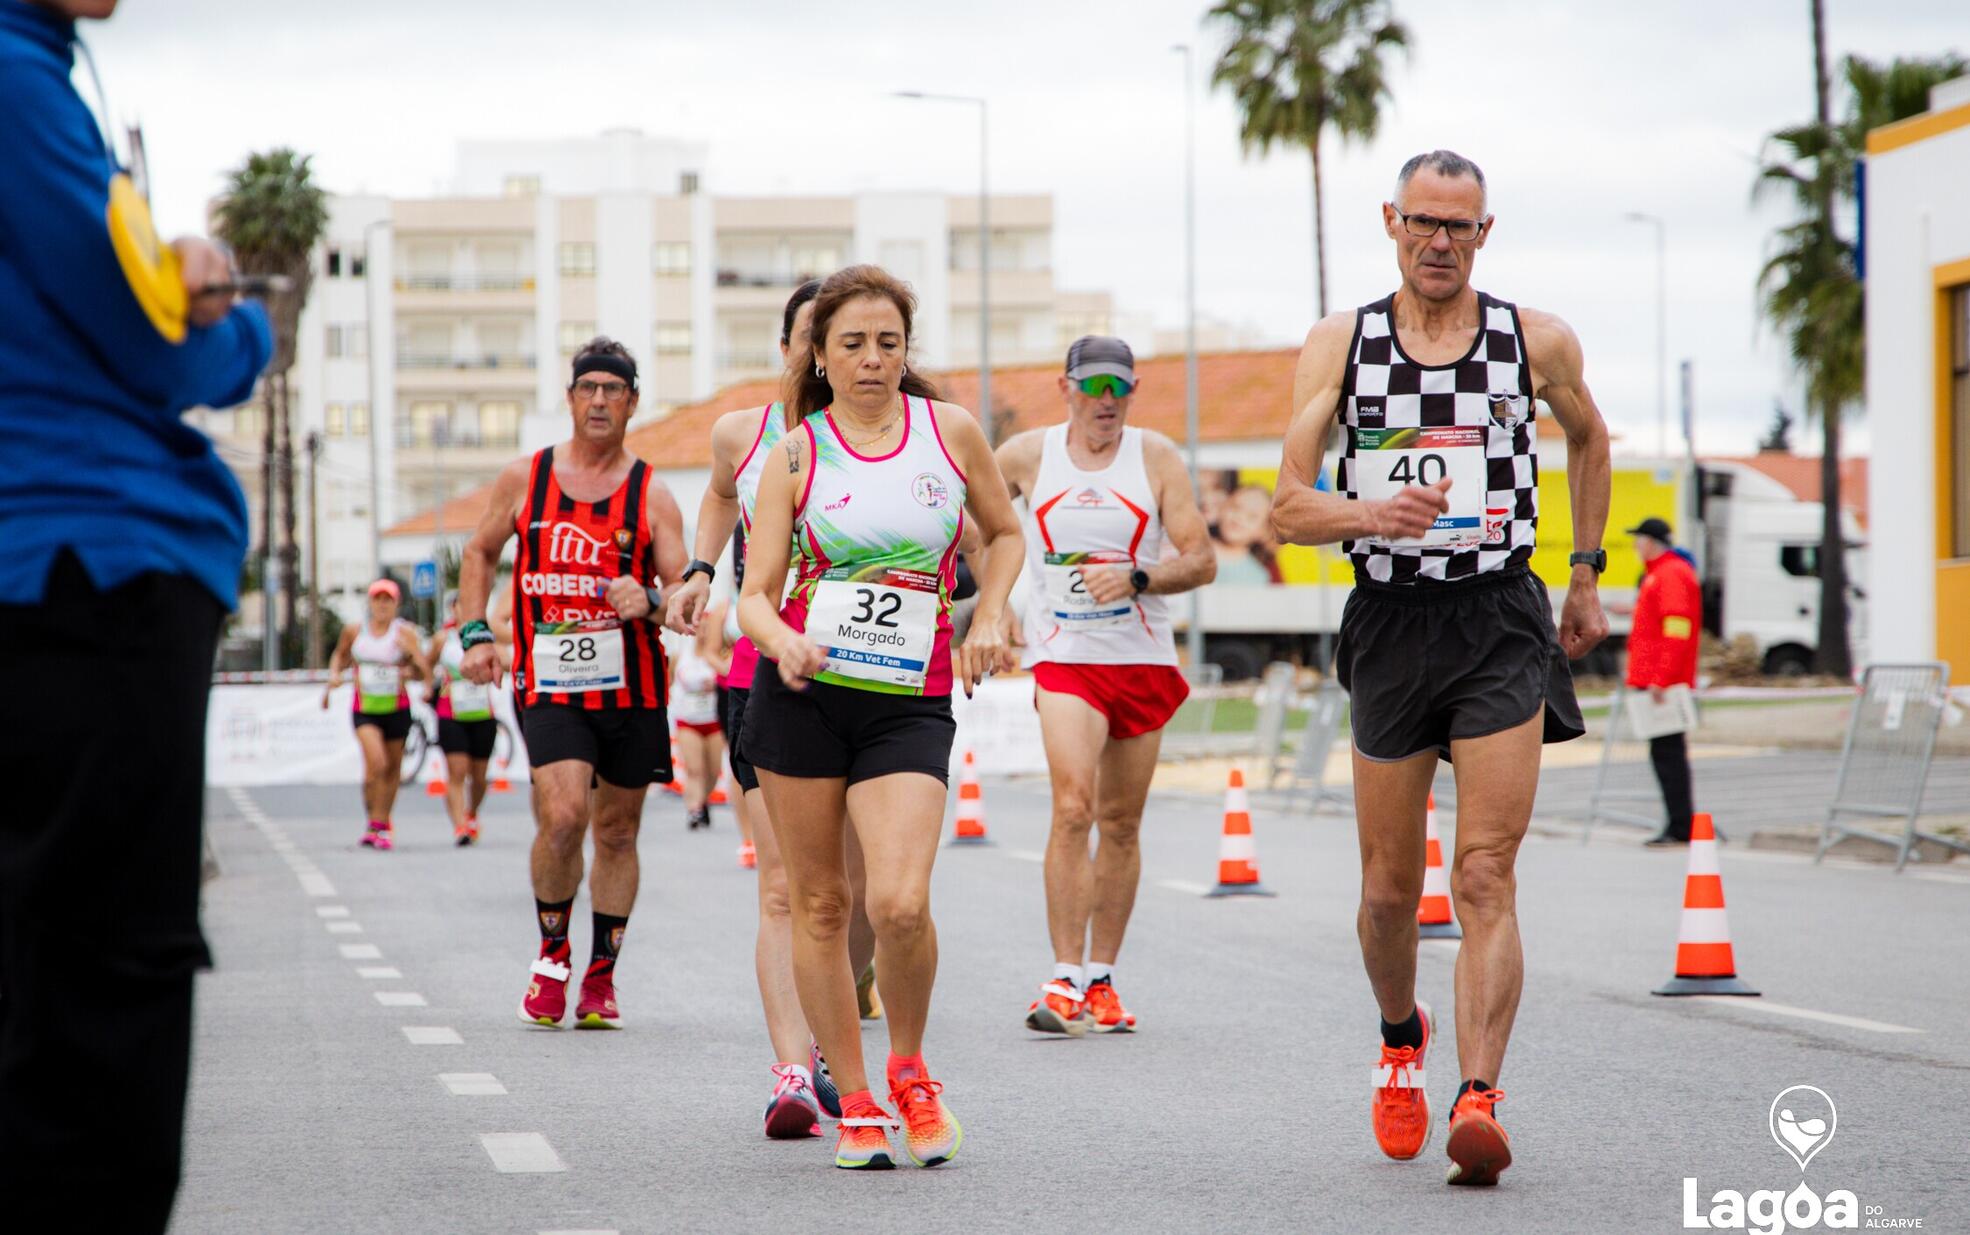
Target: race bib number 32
879	629
1387	461
1067	591
573	661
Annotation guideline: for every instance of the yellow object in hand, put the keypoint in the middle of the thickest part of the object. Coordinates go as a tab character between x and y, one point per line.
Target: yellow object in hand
149	265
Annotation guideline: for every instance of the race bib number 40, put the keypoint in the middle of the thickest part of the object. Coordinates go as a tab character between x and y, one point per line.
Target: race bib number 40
584	657
877	630
1389	460
1067	591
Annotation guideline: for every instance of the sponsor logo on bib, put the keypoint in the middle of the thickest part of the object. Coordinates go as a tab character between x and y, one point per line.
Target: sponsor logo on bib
929	491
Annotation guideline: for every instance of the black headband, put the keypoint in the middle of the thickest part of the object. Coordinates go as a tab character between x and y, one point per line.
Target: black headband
605	362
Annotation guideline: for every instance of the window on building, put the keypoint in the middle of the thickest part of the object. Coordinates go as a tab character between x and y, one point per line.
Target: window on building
356	264
499	423
355	340
687	183
673	337
520	186
1959	421
359	420
670	257
334	422
574	334
427	424
578	258
332	348
334	263
817	261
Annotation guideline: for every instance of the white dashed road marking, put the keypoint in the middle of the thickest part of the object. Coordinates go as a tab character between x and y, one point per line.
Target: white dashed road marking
361	952
378	971
1808	1014
471	1084
432	1035
1026	855
345	928
515	1153
1183	885
399	999
331	911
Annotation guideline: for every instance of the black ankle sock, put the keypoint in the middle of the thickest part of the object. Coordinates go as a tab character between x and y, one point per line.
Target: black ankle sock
1404	1033
608	942
552	918
1465	1088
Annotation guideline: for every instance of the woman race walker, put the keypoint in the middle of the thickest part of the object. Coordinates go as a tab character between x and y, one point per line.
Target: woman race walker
694	710
850	720
381	649
741	442
466	730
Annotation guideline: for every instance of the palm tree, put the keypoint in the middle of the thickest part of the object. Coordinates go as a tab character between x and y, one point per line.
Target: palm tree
1811	290
1299	66
272	215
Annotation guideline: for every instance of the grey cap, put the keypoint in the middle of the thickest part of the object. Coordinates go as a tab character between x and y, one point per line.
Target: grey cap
1095	354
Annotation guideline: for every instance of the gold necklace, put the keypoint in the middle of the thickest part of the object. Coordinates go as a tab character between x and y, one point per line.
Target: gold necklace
880	434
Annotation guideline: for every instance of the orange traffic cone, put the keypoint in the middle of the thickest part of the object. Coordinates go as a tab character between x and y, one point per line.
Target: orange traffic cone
1238	856
1704	965
971	806
1433	916
500	783
719	795
435	787
676	782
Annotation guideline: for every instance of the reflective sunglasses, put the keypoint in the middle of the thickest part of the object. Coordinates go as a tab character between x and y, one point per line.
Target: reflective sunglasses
1105	383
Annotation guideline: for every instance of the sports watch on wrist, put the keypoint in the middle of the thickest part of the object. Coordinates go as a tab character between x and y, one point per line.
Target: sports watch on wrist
1139	580
656	598
699	566
1597	559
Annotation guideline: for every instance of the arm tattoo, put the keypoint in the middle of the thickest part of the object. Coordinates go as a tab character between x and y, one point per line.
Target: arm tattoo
793	458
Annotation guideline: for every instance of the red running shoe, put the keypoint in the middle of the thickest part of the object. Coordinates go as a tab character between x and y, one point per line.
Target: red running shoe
1401	1111
1479	1148
547	995
597	1009
1105	1011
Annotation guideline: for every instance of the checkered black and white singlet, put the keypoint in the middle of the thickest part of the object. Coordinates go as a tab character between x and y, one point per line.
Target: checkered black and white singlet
1491	386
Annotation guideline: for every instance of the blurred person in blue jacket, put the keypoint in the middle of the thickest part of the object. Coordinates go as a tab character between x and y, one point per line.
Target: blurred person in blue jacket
123	540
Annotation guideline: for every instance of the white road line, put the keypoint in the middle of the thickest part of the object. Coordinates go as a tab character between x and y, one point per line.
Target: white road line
314	883
581	1233
377	971
1025	855
1444	945
400	999
471	1084
1939	877
1183	885
345	928
361	952
515	1153
432	1035
331	911
1808	1014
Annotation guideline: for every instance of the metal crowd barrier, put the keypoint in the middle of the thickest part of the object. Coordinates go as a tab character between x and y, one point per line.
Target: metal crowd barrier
1622	785
1307	779
1884	765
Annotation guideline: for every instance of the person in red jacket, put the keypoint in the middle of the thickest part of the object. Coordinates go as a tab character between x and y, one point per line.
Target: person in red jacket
1662	653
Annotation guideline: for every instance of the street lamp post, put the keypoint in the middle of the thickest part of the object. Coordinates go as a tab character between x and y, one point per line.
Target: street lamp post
1194	633
984	252
369	352
1661	328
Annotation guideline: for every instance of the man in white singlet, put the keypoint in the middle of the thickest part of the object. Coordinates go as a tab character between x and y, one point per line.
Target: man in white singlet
1103	501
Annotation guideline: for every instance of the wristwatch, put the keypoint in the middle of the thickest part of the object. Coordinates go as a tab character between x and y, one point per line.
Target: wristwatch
1597	559
656	598
699	566
1139	580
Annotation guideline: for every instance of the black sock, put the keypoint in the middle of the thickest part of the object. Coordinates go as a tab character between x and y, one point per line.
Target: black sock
608	942
552	918
1404	1033
1465	1088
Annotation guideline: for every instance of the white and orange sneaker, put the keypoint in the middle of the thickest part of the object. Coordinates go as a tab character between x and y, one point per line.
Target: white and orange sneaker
1401	1110
748	856
1061	1008
1105	1013
1478	1148
931	1134
863	1144
793	1111
546	1001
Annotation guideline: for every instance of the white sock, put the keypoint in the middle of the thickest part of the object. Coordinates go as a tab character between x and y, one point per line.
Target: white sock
1071	973
1101	971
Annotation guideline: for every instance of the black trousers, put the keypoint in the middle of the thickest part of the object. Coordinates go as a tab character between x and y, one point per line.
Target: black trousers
1670	754
102	764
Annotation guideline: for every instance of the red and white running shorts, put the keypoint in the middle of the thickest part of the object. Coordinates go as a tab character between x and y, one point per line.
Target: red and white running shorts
1136	699
709	728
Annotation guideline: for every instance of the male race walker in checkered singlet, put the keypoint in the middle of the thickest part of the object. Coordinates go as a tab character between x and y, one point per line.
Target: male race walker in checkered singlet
1104	501
1447	644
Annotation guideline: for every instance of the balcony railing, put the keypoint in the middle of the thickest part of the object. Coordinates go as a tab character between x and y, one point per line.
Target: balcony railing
749	360
766	278
443	436
466	283
465	360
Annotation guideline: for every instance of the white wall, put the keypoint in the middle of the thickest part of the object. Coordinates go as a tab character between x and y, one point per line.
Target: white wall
920	223
619	160
1918	204
624	293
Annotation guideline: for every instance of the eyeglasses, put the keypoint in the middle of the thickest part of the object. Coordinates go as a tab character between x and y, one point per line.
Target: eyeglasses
1426	225
1105	383
614	392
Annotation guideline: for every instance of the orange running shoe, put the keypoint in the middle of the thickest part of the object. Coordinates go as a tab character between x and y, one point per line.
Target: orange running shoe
1105	1011
1401	1110
1479	1148
930	1133
1059	1009
863	1144
748	856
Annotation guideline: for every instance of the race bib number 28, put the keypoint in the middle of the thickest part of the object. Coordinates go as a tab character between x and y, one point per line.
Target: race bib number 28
1388	461
570	662
878	630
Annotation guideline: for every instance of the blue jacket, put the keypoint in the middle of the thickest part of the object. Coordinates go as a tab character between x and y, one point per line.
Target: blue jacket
93	455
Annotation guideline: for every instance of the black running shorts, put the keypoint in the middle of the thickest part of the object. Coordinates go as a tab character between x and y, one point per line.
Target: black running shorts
472	738
1426	664
628	747
732	719
828	730
395	725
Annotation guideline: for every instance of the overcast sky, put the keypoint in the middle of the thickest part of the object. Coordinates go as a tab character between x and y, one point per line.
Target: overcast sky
1578	112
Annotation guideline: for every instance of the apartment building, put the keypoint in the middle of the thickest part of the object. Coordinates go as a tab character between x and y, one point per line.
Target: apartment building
433	347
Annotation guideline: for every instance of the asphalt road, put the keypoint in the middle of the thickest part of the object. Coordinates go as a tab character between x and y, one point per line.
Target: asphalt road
1241	1105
